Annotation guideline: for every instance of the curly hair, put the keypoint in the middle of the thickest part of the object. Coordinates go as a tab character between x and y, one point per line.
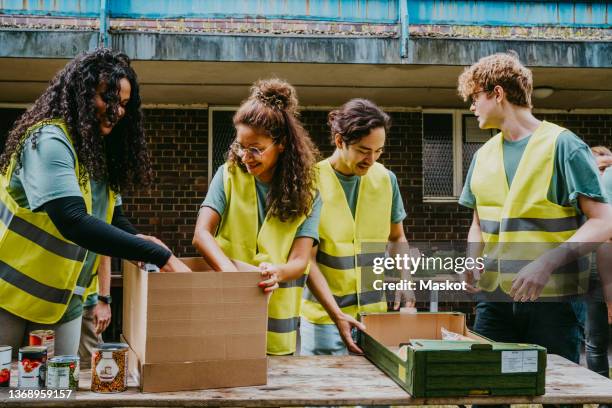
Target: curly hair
272	108
121	158
356	119
503	69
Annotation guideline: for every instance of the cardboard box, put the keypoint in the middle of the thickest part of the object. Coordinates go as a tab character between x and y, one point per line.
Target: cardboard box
409	348
196	330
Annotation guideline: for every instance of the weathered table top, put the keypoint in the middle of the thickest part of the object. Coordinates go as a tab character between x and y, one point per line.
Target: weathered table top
331	380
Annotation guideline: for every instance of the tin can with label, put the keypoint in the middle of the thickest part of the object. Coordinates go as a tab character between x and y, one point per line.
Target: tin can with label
32	367
44	338
63	373
109	368
5	365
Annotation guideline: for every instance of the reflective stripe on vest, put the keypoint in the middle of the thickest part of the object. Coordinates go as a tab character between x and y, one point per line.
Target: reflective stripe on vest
348	246
239	238
519	223
93	286
39	268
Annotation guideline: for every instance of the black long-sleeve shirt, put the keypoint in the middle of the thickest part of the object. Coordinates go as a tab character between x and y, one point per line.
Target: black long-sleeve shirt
69	215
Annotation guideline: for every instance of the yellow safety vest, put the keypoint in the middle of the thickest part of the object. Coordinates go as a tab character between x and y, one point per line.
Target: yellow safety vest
239	238
519	223
347	246
39	268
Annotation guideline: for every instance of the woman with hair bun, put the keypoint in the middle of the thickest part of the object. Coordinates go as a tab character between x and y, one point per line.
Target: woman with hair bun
262	206
64	163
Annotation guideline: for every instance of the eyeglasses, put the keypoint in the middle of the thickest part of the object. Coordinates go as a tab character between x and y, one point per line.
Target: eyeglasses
472	97
252	151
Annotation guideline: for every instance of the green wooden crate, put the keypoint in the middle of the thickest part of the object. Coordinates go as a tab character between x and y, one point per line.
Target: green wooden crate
431	367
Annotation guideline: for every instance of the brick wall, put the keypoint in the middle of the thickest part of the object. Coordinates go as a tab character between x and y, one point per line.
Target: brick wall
593	129
179	147
178	142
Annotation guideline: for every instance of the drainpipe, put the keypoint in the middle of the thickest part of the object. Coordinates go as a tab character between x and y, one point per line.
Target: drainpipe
403	16
103	37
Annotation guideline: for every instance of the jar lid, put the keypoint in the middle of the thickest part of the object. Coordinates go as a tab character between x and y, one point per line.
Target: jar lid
112	346
64	359
33	351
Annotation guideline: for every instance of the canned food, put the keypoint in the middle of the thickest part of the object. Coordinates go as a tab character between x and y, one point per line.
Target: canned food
32	367
63	372
5	365
44	338
109	367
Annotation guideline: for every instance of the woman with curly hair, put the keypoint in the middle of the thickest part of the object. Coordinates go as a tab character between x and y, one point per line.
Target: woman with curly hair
262	207
65	161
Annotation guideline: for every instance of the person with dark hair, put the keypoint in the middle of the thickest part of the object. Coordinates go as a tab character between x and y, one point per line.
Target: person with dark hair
65	162
361	204
262	206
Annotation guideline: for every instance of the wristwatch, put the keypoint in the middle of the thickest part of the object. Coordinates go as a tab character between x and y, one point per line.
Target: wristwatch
105	299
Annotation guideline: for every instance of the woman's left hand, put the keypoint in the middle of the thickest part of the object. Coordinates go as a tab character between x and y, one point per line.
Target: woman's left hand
271	275
101	316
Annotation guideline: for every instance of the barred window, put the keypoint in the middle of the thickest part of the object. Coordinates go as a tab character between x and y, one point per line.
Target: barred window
221	134
450	139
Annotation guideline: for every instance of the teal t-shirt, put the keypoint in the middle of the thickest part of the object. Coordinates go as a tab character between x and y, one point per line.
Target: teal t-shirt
575	171
350	185
48	173
215	199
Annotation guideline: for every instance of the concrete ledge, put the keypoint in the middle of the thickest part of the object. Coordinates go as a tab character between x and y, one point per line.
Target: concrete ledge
185	47
574	54
155	46
46	44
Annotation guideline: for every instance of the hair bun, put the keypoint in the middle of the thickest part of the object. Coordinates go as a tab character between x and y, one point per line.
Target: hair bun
276	94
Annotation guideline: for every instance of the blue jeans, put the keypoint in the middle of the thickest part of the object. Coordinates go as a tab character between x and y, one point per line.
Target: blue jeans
548	324
320	339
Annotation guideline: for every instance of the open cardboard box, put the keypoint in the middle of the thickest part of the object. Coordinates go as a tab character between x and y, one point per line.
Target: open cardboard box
196	330
393	329
410	349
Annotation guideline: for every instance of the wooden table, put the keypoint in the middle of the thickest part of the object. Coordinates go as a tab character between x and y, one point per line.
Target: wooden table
330	380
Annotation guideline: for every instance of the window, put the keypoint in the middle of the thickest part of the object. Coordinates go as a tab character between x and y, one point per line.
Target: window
450	139
221	134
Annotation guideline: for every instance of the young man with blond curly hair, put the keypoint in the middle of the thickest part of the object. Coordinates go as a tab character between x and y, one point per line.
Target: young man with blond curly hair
531	187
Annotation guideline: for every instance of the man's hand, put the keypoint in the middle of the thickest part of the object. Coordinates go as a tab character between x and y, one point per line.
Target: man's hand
471	277
404	296
530	281
101	316
345	323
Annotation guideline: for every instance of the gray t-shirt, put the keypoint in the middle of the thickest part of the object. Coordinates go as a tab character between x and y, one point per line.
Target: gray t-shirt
350	185
575	171
215	199
48	173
